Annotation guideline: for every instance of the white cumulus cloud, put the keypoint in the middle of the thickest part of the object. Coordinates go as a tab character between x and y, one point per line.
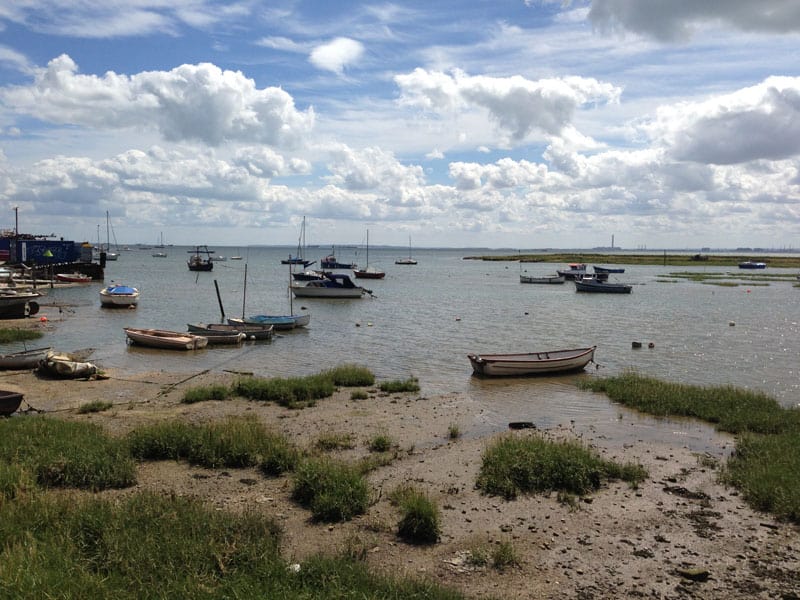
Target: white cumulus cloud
337	54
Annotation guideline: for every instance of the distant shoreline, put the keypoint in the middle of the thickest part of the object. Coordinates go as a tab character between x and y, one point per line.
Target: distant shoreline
706	260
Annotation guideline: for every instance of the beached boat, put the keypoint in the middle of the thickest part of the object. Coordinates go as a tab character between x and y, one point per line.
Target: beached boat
119	296
545	279
73	278
9	402
749	264
335	285
25	359
591	284
531	363
164	339
18	303
252	331
196	262
66	366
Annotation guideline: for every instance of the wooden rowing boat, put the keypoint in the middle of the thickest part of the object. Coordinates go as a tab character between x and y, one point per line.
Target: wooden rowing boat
25	359
164	339
252	331
531	363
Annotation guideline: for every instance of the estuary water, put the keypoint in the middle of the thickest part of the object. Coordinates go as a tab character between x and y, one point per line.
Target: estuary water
422	320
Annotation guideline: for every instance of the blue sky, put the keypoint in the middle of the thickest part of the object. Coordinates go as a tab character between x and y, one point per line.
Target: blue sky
516	124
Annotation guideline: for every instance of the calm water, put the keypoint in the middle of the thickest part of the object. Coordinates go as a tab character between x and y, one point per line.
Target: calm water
424	319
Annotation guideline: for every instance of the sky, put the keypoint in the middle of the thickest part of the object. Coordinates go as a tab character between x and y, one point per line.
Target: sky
500	124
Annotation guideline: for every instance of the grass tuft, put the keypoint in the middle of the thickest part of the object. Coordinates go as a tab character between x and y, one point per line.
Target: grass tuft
333	490
400	385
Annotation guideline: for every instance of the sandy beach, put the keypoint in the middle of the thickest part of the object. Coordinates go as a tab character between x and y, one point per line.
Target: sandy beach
680	534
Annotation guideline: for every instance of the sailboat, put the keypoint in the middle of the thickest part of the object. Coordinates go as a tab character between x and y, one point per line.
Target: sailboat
278	322
369	272
409	260
301	249
159	254
109	254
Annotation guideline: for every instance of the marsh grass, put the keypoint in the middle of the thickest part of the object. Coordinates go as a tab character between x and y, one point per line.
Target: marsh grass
400	385
233	443
420	518
515	465
58	453
358	395
350	376
13	334
380	443
333	490
504	556
766	464
334	441
730	409
206	392
453	431
291	392
94	407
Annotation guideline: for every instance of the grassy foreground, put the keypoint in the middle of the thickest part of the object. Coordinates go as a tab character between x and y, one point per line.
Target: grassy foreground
766	464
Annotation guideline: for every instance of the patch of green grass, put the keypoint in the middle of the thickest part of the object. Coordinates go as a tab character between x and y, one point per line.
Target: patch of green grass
766	463
358	395
95	406
514	465
380	443
335	441
420	519
504	556
333	490
350	376
400	385
60	453
233	443
454	431
207	392
291	392
730	409
14	334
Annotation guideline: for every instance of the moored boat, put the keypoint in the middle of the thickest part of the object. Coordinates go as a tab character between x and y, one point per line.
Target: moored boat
531	363
553	279
73	277
590	284
18	303
574	271
608	269
119	296
165	339
749	264
197	263
335	285
252	331
278	322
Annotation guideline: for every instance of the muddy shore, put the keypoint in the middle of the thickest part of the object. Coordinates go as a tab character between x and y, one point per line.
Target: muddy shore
680	534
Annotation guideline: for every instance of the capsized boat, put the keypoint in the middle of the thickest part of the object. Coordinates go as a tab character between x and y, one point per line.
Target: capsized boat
531	363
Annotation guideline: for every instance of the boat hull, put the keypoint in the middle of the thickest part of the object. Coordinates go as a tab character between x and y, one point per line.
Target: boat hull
251	331
306	291
555	279
533	363
602	287
165	340
26	359
9	402
119	297
278	322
